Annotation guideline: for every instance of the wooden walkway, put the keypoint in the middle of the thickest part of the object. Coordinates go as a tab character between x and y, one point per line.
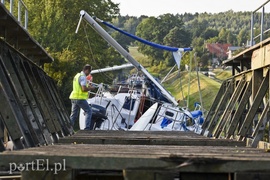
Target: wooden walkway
35	117
144	155
146	138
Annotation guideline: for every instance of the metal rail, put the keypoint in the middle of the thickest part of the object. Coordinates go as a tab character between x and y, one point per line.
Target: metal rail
21	6
262	28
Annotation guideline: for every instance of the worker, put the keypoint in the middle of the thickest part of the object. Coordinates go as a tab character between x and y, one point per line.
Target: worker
79	96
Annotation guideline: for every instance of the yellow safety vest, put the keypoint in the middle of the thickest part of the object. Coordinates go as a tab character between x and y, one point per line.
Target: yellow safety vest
77	92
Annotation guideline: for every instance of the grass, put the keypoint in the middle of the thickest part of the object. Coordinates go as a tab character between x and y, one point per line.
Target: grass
142	59
185	88
222	74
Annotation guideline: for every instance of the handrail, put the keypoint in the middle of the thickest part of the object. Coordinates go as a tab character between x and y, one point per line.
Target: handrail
252	38
21	5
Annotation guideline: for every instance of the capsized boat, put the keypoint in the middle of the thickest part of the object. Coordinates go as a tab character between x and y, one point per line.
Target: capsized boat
150	108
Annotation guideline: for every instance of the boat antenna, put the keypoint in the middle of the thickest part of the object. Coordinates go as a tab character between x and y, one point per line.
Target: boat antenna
199	84
79	23
189	78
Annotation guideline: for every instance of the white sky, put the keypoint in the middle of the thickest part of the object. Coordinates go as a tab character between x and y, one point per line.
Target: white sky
158	7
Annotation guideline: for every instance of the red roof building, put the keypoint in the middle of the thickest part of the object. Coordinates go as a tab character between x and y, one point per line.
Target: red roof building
220	50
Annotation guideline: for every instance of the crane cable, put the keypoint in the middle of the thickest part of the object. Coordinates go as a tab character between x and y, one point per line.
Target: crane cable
91	52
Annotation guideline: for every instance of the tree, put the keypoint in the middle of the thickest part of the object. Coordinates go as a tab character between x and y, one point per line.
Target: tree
222	36
198	45
209	33
147	30
242	37
231	38
177	37
167	30
198	27
53	23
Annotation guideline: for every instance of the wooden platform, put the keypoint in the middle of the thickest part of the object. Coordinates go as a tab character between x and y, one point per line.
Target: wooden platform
147	138
14	34
197	157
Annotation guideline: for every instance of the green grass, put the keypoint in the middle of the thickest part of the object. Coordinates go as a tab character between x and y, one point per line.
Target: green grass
222	74
185	88
142	59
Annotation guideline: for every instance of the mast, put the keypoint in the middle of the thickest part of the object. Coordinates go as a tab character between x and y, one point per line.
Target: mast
123	66
123	52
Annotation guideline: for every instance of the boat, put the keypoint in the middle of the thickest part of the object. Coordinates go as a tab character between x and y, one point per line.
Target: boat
145	106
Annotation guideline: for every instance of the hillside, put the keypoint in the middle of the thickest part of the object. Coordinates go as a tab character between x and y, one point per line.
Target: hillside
185	88
180	84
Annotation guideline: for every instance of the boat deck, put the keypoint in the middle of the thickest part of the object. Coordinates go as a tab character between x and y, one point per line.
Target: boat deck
145	155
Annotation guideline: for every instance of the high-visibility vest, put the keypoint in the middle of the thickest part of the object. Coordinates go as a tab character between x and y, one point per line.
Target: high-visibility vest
77	92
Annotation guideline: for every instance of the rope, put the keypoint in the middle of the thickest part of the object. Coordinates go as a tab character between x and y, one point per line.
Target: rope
91	52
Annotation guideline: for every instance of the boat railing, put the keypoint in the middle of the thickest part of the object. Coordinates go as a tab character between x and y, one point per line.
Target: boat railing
178	119
20	6
100	91
263	29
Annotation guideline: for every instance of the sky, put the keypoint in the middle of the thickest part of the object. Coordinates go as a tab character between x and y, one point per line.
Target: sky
159	7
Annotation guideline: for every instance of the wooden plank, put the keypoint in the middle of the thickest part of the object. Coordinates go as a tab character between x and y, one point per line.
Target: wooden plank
240	110
212	110
229	108
138	141
27	69
220	109
135	174
257	59
161	134
32	99
38	75
264	145
246	54
146	138
256	82
267	55
3	135
43	174
204	176
14	32
63	123
259	130
60	106
14	122
251	175
254	107
118	157
30	120
233	106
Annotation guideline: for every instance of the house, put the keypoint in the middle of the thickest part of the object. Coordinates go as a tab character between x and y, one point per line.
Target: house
231	49
218	49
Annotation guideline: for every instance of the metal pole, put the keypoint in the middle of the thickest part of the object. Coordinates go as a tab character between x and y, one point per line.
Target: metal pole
167	74
19	11
26	19
189	78
262	20
199	84
11	6
251	30
125	54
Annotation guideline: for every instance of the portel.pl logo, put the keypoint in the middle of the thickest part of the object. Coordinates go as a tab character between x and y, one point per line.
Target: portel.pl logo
38	165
